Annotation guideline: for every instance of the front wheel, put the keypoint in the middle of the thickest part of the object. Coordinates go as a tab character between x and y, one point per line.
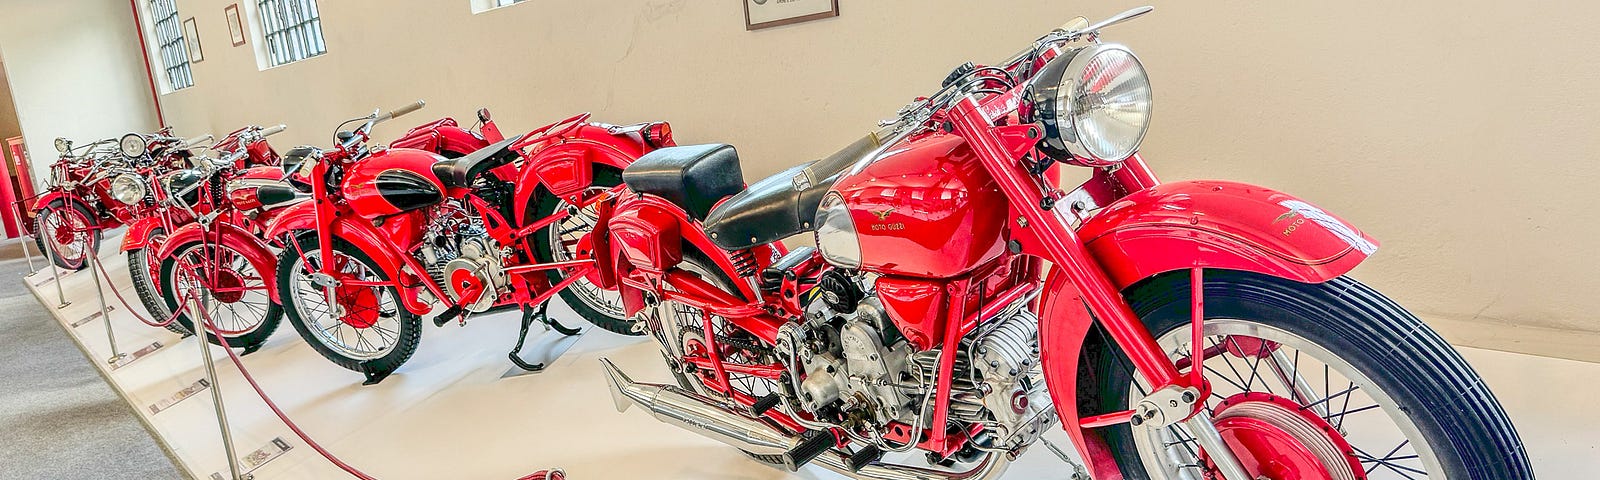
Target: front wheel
145	269
233	291
365	327
64	234
1310	381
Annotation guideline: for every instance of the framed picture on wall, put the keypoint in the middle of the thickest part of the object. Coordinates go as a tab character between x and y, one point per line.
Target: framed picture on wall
235	29
191	36
759	14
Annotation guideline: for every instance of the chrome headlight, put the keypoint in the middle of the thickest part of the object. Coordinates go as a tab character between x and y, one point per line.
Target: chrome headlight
127	188
1094	103
63	145
836	233
133	145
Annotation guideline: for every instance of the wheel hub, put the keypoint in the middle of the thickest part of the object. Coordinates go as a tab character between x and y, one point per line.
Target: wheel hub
1276	439
228	286
359	306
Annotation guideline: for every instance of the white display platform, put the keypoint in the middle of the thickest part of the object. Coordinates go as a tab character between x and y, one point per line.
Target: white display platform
453	412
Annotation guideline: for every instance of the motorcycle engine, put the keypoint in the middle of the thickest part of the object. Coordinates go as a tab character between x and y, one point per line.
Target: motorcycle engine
861	373
459	255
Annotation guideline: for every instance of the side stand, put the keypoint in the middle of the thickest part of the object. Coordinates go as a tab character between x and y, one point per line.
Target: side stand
541	315
203	321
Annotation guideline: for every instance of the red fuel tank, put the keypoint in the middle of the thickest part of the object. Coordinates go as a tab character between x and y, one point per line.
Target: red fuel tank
392	181
926	209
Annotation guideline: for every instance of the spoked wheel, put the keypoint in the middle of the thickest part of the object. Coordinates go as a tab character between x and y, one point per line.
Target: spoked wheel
363	327
564	241
145	269
232	290
1329	381
64	233
684	325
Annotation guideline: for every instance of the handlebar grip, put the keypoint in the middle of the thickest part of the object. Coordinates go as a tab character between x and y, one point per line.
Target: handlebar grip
191	143
274	130
403	110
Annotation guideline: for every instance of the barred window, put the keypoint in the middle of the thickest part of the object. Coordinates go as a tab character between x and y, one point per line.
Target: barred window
480	6
502	3
169	44
293	30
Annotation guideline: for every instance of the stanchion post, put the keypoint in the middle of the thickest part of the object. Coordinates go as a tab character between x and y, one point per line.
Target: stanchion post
105	313
55	270
202	320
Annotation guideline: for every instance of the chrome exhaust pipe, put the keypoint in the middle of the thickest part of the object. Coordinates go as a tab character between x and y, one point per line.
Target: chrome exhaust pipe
713	420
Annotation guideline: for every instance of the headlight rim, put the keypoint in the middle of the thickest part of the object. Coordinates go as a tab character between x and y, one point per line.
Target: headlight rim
122	146
124	181
1053	108
833	204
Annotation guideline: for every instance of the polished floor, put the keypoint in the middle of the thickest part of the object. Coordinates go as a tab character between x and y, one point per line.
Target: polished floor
459	410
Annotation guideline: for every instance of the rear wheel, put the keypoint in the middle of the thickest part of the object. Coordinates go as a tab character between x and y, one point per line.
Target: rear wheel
366	328
1325	381
233	290
64	234
145	268
561	242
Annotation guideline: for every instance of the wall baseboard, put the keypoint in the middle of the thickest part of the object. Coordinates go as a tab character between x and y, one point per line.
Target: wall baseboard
1577	345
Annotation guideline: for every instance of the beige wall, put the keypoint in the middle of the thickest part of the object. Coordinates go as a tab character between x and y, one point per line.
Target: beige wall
9	127
1462	135
75	72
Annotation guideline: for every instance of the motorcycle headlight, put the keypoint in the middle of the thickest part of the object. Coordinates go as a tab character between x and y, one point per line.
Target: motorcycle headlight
133	145
127	188
1094	103
836	233
63	145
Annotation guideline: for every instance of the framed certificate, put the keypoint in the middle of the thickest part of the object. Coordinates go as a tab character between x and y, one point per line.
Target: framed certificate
235	28
192	36
759	14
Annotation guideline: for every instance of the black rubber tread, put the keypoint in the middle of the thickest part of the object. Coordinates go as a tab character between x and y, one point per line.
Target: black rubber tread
410	324
543	205
144	285
183	324
94	240
1403	356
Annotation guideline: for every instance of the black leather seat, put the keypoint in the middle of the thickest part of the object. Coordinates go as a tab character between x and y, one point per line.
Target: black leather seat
782	205
459	172
693	177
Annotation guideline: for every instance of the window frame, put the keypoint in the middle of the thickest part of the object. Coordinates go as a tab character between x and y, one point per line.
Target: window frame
483	6
290	31
165	33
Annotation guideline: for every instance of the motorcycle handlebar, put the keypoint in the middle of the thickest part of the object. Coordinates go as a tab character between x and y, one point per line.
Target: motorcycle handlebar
392	114
191	143
273	130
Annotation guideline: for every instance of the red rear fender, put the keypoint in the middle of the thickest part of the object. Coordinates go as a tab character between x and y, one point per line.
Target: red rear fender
1226	225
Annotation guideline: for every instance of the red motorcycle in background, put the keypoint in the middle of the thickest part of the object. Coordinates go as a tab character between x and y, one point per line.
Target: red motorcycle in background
246	147
390	231
1185	330
105	186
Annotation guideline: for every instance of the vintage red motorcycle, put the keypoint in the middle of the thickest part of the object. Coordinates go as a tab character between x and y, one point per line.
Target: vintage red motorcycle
246	147
390	231
953	283
100	186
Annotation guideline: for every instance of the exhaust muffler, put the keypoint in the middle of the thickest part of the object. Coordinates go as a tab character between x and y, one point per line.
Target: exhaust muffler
713	420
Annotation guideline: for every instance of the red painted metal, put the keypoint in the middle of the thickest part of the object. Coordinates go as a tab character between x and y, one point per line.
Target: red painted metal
360	187
916	306
1270	449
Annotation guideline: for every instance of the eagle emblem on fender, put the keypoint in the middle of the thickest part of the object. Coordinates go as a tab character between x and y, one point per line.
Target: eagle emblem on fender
884	214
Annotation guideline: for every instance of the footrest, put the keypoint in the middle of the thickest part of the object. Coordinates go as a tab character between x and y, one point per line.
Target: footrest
813	443
864	457
764	404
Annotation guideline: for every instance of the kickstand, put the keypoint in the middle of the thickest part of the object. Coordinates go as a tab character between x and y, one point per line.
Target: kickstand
1078	472
374	376
529	316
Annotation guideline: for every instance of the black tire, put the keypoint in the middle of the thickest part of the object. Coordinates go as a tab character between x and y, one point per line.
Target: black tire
409	333
1466	428
144	284
92	248
171	300
543	205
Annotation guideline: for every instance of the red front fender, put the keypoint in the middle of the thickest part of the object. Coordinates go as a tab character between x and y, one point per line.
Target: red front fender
1224	225
138	235
234	238
302	217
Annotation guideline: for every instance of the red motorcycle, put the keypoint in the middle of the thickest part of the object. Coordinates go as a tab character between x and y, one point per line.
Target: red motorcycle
216	211
104	186
958	305
246	147
392	230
